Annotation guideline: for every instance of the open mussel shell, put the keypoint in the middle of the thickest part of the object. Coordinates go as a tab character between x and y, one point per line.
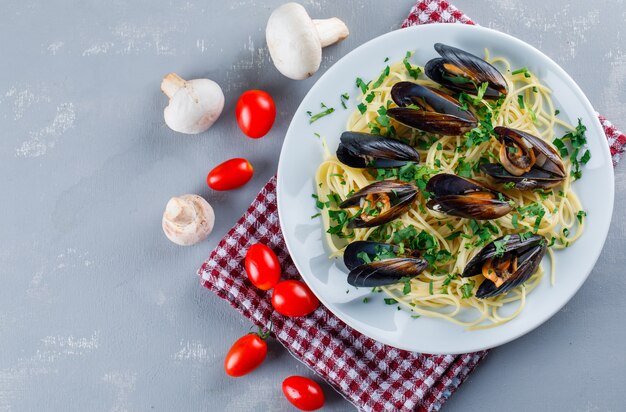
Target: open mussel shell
456	196
435	111
534	179
527	252
396	194
526	160
461	71
382	272
363	150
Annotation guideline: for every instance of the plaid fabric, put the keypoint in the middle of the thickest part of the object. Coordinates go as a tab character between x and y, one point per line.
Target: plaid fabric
373	376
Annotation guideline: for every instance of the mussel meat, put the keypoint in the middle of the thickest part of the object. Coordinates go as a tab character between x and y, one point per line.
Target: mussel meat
461	71
457	196
430	110
526	160
363	150
380	202
506	263
378	264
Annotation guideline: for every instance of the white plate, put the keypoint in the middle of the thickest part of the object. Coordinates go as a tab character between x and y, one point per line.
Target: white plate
302	153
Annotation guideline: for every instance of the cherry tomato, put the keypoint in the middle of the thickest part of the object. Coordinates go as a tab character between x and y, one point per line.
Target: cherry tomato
246	354
255	113
303	393
294	298
262	266
229	175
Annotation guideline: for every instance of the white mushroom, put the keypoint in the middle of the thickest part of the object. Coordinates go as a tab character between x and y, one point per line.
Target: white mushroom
295	41
188	219
194	105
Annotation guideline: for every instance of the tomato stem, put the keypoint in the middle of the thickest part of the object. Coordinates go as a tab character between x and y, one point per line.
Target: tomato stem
264	334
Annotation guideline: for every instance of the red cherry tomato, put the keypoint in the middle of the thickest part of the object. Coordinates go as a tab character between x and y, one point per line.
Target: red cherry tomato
262	266
303	393
255	113
246	354
229	175
294	298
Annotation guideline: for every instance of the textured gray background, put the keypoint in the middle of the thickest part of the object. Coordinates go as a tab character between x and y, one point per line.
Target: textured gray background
98	311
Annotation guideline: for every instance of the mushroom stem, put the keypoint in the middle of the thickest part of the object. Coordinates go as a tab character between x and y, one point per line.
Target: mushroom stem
171	84
330	31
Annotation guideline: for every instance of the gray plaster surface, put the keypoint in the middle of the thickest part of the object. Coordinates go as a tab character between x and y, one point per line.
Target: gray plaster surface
98	311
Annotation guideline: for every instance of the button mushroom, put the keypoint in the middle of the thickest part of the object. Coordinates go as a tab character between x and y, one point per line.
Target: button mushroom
188	219
194	105
295	41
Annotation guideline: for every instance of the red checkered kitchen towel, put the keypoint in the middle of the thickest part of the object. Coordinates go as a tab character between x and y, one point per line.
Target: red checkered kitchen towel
373	376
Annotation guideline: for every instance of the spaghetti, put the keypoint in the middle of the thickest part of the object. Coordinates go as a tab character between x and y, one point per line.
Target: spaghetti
450	242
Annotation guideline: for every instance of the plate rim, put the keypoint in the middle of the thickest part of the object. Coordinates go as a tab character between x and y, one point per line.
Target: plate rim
576	90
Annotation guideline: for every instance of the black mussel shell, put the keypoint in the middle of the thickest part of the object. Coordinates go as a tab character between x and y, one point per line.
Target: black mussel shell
529	253
546	168
456	196
363	150
382	272
472	72
437	113
516	155
535	179
544	156
401	196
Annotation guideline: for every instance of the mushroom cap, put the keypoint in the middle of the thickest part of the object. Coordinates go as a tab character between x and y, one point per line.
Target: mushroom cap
293	41
188	219
195	106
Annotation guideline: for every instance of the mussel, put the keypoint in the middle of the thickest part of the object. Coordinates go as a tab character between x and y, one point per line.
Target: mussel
363	150
457	196
430	110
378	264
380	202
506	263
461	71
526	160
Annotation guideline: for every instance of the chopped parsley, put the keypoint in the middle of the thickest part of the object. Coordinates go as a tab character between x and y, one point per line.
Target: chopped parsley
467	289
381	78
390	301
501	245
382	118
325	112
364	257
464	169
370	97
365	299
523	70
341	219
536	210
362	108
580	215
578	140
361	85
344	98
446	282
514	222
453	235
414	71
406	289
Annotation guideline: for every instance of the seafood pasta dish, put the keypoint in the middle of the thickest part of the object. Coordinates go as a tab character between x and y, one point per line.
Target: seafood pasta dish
450	184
